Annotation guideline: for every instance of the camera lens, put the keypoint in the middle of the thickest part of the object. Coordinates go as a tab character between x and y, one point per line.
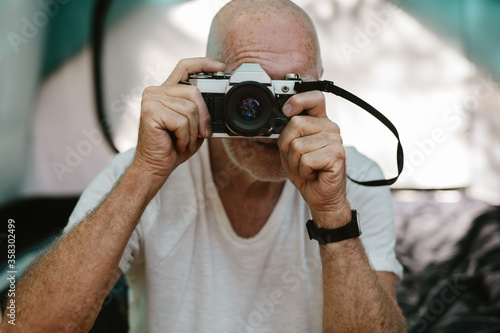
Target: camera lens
248	108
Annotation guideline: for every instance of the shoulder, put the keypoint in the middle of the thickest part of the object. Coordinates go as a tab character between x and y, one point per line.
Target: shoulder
360	167
100	187
374	205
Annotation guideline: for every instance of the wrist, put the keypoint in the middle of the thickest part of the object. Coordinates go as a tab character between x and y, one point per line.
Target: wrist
334	218
147	183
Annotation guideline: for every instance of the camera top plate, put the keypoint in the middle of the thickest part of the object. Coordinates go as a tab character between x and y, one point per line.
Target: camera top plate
215	75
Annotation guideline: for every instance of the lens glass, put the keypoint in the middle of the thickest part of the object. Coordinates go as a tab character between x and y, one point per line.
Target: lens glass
249	108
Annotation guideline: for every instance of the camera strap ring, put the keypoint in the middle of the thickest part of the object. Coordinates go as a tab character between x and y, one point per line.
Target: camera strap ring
328	86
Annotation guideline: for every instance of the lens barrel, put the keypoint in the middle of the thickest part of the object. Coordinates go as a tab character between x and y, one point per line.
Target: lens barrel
248	108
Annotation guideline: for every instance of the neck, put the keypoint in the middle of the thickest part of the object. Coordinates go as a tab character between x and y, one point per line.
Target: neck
247	201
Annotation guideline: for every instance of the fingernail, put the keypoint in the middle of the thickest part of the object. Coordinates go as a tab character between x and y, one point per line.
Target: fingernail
287	109
208	131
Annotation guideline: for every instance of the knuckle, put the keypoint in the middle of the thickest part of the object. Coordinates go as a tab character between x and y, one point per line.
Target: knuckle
193	92
296	145
299	101
319	96
297	121
282	143
334	127
306	160
148	91
304	167
189	108
294	99
193	109
190	90
338	152
148	107
330	136
182	121
183	63
332	132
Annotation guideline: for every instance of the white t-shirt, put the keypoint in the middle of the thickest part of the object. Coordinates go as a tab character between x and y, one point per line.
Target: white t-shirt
188	271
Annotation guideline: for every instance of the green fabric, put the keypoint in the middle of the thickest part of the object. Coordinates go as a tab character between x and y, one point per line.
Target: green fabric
473	25
70	29
482	34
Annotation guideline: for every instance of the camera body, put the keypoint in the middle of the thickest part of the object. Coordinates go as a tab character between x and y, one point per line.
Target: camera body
247	103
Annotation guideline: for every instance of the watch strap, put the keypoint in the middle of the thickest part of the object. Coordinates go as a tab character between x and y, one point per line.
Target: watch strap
325	236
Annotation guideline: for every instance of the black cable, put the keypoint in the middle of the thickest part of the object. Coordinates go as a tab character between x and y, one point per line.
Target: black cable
98	26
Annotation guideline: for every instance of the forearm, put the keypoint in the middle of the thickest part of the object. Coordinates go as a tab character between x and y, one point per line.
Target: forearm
354	299
64	290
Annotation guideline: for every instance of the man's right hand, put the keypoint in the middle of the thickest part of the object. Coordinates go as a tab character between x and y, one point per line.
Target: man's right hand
174	120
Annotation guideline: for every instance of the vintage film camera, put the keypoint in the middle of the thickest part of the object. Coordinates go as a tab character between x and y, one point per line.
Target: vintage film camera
247	103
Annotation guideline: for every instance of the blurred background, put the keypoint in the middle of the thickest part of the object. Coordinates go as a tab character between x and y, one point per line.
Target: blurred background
431	66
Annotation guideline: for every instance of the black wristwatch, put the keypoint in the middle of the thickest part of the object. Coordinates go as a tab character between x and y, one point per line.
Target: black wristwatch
325	236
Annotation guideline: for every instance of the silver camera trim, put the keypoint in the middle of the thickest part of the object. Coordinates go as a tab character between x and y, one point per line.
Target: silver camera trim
210	83
222	83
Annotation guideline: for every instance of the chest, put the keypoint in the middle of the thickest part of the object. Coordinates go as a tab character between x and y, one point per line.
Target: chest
248	222
198	275
247	217
217	285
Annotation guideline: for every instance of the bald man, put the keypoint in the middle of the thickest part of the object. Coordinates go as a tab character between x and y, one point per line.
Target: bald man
211	233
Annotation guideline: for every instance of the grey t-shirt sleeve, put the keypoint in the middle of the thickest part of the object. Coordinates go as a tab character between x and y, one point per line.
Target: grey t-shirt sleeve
374	205
96	192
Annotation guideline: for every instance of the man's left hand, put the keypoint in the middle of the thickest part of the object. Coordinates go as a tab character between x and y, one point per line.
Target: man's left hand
313	158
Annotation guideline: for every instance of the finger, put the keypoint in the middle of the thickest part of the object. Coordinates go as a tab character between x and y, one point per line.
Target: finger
185	67
187	109
178	125
301	126
303	145
193	94
187	154
323	159
311	101
160	117
182	100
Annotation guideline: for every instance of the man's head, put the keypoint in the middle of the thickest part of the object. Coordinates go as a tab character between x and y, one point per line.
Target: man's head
275	26
281	38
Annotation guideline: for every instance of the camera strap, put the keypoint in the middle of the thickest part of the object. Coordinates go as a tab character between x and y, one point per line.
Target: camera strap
328	86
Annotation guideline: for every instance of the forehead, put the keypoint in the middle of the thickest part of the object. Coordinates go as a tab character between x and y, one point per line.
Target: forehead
281	41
